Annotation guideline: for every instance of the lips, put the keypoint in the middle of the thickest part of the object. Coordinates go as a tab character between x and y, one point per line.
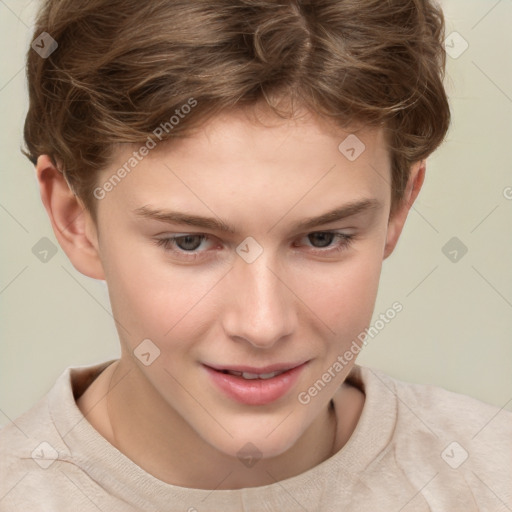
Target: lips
255	386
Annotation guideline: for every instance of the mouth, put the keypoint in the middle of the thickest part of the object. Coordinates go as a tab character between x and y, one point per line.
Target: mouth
253	385
254	372
252	376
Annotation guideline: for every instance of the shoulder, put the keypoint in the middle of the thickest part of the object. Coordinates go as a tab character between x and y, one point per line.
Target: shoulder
436	406
448	441
29	445
39	466
441	410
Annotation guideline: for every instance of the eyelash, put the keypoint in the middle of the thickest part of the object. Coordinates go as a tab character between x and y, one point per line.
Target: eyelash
165	243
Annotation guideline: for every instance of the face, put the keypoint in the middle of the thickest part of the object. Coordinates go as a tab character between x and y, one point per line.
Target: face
210	250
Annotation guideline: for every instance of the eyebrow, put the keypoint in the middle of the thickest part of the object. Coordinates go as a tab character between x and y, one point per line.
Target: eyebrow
174	217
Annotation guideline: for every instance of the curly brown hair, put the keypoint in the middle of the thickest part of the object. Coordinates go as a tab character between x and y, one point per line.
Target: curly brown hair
124	66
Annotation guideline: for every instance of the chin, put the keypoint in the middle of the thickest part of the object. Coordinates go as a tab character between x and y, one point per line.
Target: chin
255	441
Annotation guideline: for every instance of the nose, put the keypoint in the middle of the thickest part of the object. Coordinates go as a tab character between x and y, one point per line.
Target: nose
260	309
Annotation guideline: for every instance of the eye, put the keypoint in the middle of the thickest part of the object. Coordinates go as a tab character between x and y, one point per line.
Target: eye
183	245
322	241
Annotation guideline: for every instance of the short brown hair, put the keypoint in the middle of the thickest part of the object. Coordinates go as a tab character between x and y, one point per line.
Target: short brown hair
124	66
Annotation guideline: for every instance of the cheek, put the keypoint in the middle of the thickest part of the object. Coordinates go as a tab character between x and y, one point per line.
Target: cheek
343	294
151	298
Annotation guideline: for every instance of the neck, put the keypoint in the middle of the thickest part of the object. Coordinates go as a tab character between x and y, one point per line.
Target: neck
140	424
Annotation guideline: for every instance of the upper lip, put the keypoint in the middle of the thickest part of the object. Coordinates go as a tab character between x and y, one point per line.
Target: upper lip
258	370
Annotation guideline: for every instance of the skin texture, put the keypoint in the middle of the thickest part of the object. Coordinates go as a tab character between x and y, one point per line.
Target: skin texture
300	300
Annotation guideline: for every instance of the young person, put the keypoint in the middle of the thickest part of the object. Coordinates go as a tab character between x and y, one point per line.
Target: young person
237	172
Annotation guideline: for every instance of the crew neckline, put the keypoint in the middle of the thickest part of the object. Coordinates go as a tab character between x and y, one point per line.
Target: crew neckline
121	477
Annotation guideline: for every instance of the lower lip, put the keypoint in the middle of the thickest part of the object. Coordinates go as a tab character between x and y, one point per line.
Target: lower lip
255	391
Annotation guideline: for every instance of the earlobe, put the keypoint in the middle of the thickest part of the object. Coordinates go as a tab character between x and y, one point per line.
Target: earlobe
398	218
69	219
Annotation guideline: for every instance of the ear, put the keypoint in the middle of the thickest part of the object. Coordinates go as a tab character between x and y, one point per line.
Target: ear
398	217
72	224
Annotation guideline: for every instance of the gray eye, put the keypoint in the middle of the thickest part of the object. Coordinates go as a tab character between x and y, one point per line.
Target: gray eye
323	239
189	242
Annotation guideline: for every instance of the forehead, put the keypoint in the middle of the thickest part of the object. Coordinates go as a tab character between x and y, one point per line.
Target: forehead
252	134
244	159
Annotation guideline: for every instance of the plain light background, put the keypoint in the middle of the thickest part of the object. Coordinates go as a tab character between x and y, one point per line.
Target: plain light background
456	324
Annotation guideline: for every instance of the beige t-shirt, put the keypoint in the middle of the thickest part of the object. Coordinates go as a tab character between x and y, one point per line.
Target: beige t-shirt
415	448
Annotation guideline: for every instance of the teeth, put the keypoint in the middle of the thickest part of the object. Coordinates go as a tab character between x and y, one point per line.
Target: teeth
253	376
269	375
250	376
